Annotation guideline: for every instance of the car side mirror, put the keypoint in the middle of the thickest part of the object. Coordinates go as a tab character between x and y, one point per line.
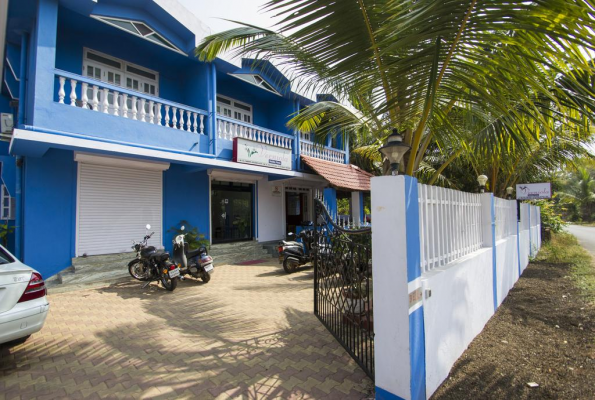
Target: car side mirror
291	234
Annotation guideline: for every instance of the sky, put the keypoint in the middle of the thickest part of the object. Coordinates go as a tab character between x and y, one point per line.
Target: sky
213	13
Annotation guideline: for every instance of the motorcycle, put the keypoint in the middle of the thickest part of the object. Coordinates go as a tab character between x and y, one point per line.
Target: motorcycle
294	254
153	265
196	263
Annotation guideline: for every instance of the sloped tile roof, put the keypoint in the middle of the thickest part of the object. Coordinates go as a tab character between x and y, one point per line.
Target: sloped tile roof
342	176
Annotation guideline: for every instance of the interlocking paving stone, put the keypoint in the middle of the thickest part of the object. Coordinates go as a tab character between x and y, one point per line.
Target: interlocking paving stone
249	333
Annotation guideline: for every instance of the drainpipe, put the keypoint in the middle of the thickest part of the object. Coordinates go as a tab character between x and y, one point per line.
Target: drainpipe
18	233
18	223
23	80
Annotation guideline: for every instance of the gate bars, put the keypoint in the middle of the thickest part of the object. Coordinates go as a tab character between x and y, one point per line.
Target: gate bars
343	284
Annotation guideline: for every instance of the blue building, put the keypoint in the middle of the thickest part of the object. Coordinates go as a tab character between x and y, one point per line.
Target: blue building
109	123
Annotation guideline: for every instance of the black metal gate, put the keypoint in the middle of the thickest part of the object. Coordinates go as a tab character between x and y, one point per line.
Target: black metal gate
343	283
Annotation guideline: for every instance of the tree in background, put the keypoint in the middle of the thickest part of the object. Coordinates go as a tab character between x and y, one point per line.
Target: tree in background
577	192
460	78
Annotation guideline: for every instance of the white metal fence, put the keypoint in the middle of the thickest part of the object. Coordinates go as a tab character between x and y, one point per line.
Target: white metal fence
450	225
506	217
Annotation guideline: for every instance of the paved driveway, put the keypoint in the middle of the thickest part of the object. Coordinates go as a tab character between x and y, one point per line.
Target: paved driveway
585	236
249	333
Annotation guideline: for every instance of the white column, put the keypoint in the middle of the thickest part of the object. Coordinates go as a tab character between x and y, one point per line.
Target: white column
134	107
116	105
105	102
356	207
125	105
95	101
84	95
151	112
73	83
398	310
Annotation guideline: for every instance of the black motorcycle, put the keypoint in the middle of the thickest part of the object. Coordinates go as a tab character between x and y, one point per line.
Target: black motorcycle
294	254
196	263
151	264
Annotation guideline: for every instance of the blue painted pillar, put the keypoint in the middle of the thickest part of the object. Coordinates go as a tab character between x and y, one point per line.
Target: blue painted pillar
212	108
399	343
43	62
346	148
296	139
330	197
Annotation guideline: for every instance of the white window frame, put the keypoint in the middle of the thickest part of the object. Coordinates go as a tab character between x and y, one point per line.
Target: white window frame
6	204
235	109
123	71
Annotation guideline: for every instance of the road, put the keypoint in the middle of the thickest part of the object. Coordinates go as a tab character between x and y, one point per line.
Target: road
585	236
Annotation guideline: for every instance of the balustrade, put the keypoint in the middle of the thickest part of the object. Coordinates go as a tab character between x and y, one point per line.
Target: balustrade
228	129
310	149
106	98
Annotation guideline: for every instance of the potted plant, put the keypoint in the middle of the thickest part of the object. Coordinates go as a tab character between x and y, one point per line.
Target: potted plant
355	299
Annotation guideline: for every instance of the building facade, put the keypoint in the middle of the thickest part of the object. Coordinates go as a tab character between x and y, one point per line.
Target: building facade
110	123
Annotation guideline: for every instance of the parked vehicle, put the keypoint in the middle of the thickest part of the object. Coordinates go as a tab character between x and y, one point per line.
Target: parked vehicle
151	264
294	254
196	263
23	302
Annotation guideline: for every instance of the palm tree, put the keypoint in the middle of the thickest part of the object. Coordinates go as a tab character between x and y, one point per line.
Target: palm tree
411	65
579	190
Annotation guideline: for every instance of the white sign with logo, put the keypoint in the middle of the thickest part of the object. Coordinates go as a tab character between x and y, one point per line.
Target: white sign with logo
249	152
276	191
533	191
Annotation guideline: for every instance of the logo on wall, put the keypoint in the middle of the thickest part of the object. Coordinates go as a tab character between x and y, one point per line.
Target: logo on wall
276	191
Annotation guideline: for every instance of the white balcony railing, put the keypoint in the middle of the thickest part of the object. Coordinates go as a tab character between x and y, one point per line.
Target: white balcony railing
80	91
311	149
228	128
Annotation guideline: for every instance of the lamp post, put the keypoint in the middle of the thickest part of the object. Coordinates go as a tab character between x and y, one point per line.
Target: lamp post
394	150
509	192
482	180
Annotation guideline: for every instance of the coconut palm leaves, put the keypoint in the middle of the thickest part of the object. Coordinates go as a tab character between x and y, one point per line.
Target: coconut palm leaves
413	64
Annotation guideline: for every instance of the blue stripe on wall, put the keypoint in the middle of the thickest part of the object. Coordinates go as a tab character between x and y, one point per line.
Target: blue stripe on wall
382	394
412	226
417	349
417	354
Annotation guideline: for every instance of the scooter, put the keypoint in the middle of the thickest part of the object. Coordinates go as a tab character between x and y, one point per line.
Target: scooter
196	263
294	254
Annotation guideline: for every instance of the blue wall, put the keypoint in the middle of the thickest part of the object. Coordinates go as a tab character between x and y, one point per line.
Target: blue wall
185	197
49	209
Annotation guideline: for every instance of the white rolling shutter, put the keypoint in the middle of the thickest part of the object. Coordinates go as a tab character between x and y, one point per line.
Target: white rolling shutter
114	206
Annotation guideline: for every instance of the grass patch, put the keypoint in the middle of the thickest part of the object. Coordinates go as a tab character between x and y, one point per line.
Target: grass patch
564	248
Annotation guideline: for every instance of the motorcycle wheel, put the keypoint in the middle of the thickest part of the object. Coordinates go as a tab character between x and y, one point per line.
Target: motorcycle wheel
168	283
206	277
290	265
138	269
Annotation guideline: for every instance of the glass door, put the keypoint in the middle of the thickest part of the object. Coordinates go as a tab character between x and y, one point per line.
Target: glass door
232	212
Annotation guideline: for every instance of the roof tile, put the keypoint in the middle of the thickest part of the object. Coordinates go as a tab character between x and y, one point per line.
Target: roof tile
343	176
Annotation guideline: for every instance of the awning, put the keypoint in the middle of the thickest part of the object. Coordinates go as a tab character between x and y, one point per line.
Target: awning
342	176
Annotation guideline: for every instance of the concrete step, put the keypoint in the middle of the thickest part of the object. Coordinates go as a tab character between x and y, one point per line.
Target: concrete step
104	259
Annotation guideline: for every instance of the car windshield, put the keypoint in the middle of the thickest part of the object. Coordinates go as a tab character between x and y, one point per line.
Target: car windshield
5	258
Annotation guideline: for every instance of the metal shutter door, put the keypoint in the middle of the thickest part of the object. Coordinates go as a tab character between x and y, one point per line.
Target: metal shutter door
114	206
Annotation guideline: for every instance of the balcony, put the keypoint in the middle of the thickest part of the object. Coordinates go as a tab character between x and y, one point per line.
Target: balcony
97	98
93	95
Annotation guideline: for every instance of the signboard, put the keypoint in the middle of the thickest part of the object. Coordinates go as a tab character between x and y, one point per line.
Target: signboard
533	191
249	152
276	190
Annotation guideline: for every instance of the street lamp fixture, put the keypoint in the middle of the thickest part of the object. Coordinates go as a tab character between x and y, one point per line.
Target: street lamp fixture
509	192
394	150
482	180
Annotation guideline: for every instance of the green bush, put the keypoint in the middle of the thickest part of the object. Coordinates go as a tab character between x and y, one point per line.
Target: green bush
550	218
194	238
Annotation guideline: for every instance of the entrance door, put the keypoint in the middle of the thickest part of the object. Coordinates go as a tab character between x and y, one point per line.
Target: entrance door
232	213
297	202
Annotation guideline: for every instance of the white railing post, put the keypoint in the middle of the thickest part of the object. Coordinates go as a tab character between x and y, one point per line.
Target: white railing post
61	92
166	115
174	119
125	105
143	112
95	101
158	106
84	95
116	105
151	112
202	125
134	108
73	83
105	101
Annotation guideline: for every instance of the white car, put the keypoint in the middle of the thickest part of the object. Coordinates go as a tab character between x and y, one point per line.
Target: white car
23	302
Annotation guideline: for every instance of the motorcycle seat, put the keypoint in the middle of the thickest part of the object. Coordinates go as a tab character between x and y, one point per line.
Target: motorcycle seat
291	243
197	252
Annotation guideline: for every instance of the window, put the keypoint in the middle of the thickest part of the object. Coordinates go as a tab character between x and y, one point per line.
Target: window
119	72
231	108
7	203
138	29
